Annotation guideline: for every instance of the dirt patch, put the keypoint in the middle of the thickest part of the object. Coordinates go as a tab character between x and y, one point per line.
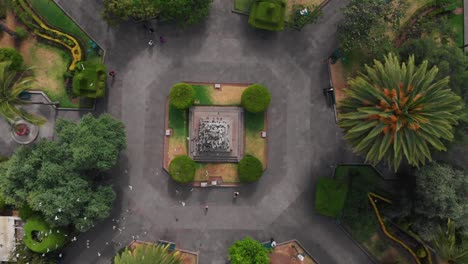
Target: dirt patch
187	258
227	171
458	11
255	146
339	79
286	254
49	67
228	95
177	147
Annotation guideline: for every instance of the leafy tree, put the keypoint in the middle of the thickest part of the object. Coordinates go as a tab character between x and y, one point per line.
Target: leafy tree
184	12
248	251
182	96
148	254
13	56
11	86
365	23
256	98
445	244
94	142
250	169
55	180
440	193
182	169
398	111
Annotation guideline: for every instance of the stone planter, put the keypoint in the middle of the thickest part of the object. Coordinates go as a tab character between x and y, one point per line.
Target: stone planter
24	132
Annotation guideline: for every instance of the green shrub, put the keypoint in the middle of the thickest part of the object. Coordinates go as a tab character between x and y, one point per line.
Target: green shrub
40	238
256	98
182	95
182	169
21	33
330	196
299	18
2	203
248	251
25	212
9	54
250	169
268	14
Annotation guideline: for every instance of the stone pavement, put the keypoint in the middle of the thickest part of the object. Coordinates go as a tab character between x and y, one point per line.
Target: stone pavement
304	141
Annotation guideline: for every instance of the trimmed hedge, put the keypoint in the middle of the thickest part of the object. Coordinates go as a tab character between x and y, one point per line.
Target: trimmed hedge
330	196
182	169
182	96
256	98
268	14
40	238
250	169
9	54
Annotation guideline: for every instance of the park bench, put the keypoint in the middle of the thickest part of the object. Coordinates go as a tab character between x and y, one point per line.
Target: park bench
171	246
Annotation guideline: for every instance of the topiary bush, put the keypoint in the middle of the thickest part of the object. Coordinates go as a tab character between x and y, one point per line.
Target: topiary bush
248	251
250	169
182	169
256	98
182	96
21	33
9	54
40	238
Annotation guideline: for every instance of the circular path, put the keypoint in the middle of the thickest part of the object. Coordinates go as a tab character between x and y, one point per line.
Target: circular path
304	141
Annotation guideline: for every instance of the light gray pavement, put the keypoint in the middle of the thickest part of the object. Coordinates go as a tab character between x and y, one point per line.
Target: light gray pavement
304	141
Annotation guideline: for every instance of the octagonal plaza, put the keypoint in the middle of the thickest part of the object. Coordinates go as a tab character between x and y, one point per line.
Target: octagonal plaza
216	133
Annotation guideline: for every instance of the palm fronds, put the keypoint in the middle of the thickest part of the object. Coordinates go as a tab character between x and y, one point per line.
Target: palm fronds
148	254
446	246
397	111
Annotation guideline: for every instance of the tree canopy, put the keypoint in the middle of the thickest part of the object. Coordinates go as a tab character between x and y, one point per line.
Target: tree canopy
248	251
58	178
395	111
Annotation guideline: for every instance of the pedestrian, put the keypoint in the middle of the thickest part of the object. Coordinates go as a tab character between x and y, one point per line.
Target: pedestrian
235	194
272	242
151	43
162	39
112	73
206	209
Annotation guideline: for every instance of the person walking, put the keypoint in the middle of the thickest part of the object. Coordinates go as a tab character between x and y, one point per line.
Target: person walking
235	194
151	43
162	39
112	73
206	209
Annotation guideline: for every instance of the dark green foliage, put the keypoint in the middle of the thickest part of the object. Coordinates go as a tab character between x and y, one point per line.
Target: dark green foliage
2	204
254	122
250	169
89	79
3	8
26	212
40	238
9	54
268	14
440	193
365	23
94	143
248	251
184	12
182	169
59	179
330	196
299	18
27	256
116	11
182	95
21	33
256	98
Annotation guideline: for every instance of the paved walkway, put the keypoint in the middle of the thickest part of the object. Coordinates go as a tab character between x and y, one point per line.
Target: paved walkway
465	23
304	140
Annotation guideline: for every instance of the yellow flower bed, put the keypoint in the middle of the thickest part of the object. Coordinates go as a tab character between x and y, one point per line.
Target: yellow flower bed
76	51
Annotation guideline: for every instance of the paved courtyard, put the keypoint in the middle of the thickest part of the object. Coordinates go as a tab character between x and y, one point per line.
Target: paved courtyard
304	141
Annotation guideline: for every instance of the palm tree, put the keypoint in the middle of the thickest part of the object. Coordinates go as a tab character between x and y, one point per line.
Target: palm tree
148	254
11	85
395	111
445	245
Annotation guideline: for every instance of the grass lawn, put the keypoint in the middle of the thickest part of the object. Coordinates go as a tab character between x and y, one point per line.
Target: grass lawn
242	6
358	216
203	94
456	22
330	196
55	17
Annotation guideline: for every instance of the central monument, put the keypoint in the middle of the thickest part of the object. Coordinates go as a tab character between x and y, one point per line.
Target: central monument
216	133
